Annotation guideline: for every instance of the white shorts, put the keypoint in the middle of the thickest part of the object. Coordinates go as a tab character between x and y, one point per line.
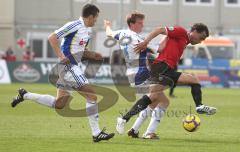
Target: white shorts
71	77
140	89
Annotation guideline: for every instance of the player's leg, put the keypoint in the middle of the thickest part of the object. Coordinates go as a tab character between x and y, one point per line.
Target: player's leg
63	97
171	90
143	115
193	81
92	111
43	99
91	108
155	87
141	104
157	115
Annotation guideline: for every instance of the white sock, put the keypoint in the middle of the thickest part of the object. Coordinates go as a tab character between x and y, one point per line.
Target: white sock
92	112
46	100
141	118
157	114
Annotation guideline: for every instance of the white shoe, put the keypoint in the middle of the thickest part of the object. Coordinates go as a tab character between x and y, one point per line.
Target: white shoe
150	136
120	125
206	110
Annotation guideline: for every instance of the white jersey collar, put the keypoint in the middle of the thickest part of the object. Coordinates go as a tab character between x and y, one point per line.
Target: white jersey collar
81	20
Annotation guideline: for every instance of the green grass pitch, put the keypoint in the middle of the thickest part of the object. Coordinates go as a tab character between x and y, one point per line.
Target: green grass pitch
31	127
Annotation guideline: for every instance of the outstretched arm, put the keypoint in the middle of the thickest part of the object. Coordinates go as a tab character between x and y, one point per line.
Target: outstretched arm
143	45
108	29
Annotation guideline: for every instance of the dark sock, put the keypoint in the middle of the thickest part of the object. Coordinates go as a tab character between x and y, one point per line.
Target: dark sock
140	105
196	94
171	90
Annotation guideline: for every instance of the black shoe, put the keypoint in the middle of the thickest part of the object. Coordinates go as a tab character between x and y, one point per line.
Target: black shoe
19	97
103	136
132	133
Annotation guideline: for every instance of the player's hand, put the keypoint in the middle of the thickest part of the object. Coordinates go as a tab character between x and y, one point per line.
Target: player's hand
98	56
107	23
64	60
140	47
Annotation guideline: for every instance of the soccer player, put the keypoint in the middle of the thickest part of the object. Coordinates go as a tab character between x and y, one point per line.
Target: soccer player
76	35
167	60
137	65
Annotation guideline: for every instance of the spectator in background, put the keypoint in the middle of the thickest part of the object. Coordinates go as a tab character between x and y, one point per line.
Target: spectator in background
28	55
9	55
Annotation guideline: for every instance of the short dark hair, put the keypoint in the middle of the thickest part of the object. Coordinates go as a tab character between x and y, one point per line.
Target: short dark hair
90	9
200	27
132	17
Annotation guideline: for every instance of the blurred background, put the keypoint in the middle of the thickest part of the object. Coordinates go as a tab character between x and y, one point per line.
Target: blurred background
27	55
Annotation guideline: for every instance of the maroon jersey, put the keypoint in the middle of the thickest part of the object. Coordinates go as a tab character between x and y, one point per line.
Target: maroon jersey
177	40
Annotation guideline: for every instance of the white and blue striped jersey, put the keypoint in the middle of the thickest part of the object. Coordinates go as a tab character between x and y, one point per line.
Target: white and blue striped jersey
137	69
75	37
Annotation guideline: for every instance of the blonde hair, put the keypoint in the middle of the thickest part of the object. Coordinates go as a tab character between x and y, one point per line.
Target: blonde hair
134	16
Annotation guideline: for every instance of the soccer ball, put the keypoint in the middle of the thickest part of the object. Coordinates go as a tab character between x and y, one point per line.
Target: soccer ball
191	122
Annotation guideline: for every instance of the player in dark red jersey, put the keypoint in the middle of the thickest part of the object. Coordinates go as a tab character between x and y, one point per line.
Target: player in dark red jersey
162	69
178	39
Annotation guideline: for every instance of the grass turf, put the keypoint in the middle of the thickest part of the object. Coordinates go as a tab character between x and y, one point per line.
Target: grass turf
31	127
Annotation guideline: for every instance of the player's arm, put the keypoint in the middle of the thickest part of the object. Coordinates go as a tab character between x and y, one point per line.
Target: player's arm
108	29
61	33
92	55
109	32
162	44
143	45
53	40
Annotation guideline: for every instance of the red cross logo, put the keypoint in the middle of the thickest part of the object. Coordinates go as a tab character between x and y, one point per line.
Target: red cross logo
21	43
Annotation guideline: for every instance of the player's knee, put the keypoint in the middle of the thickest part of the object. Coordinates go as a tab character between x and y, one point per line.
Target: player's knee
60	103
166	103
92	97
153	97
195	79
59	106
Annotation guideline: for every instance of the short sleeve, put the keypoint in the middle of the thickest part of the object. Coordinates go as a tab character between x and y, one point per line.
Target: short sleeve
68	28
175	32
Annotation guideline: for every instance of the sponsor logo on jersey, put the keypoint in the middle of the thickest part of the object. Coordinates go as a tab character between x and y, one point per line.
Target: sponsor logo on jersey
171	28
82	42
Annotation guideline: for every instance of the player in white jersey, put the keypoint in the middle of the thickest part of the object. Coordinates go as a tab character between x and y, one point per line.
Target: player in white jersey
75	36
138	73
